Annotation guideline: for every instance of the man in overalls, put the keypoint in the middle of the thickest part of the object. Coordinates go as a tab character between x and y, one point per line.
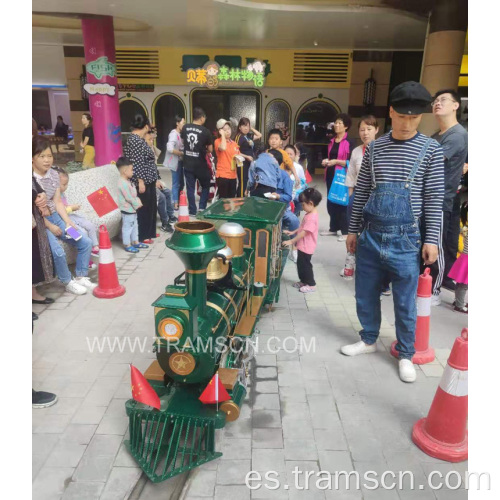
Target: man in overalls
397	205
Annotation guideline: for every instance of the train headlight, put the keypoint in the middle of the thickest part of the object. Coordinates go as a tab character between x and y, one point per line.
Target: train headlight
170	329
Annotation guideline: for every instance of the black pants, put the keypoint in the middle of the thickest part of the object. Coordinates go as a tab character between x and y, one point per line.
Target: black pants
448	251
261	189
243	178
226	188
305	268
337	213
146	215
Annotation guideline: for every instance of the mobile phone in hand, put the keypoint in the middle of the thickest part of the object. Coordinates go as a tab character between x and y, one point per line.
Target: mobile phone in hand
73	233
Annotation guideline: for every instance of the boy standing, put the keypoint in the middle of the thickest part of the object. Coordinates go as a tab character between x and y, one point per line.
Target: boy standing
129	203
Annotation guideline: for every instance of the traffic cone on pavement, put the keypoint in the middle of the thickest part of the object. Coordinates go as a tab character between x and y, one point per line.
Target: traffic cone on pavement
443	434
109	287
183	208
423	353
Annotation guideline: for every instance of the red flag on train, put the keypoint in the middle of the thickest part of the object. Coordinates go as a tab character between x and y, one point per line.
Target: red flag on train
142	391
214	392
102	202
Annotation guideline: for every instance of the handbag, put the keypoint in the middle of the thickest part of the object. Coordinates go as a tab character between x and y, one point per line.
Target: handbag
339	193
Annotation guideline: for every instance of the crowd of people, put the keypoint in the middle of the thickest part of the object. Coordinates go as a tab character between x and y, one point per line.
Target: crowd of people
393	200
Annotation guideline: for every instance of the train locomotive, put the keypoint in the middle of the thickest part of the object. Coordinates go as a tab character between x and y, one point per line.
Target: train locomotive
206	323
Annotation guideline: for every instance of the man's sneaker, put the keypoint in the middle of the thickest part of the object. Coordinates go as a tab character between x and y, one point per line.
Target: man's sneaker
172	219
464	310
407	371
341	237
327	233
358	348
167	228
292	255
40	399
436	300
85	282
74	287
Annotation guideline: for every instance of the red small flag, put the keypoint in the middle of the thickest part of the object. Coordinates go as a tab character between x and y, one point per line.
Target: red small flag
308	177
102	202
214	392
142	390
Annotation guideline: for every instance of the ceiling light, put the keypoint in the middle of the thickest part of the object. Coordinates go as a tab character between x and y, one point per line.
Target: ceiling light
315	43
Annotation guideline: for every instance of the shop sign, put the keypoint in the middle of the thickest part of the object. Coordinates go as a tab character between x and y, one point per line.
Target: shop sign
212	75
136	87
100	88
101	67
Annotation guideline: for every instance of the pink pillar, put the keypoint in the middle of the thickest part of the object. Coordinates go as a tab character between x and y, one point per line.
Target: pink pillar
102	86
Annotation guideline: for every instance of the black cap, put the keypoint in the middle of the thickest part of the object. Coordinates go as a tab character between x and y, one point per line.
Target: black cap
411	98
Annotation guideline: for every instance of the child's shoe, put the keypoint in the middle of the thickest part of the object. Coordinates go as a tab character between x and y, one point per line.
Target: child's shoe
92	265
131	249
140	245
86	283
95	251
307	289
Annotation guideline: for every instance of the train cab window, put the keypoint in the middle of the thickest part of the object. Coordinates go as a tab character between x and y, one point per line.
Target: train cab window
236	103
247	240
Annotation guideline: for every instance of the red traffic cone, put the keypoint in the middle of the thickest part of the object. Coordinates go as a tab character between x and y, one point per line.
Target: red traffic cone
183	208
109	287
423	353
443	434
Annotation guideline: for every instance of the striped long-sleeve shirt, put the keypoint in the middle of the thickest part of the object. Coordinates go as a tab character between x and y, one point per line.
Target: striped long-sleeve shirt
393	161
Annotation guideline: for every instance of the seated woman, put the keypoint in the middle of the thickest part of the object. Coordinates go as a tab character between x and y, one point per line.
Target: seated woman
58	220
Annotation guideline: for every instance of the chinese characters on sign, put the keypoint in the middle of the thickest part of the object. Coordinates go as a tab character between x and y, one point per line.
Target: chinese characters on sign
136	87
212	75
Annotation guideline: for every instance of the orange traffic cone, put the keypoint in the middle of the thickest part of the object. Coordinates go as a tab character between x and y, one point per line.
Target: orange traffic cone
109	287
443	434
183	208
423	352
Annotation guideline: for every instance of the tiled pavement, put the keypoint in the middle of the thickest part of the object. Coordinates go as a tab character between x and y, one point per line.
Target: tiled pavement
315	410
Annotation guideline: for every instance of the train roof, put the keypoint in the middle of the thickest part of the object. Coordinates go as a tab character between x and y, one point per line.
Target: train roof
251	209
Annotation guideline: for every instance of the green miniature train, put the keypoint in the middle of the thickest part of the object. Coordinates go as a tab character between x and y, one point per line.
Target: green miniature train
205	323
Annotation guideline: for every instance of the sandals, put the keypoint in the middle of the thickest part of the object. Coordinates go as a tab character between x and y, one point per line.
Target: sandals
307	289
149	242
298	285
131	249
140	245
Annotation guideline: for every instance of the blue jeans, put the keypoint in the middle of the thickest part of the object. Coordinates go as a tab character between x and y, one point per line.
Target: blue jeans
83	246
204	180
130	229
393	253
165	206
177	182
290	221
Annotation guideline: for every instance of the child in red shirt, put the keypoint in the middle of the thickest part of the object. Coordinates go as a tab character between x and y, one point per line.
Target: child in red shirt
306	240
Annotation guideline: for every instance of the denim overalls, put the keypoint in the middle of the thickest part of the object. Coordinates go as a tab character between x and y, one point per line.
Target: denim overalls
389	246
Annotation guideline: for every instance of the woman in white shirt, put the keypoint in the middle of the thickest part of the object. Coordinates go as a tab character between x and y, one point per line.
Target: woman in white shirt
173	159
368	130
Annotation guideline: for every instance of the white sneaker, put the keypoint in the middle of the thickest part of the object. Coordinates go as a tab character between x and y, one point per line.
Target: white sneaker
292	255
358	348
327	233
85	282
341	238
407	371
74	287
436	300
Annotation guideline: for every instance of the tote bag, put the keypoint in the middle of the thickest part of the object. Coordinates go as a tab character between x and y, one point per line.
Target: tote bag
339	193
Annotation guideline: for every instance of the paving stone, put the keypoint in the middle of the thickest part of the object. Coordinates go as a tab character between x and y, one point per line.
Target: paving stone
37	462
241	428
268	460
120	483
266	373
432	370
65	454
104	445
232	492
300	449
266	418
297	429
267	438
94	468
273	485
331	439
334	461
237	449
89	414
52	424
43	444
232	471
51	482
266	387
124	458
267	402
266	360
83	490
113	425
202	483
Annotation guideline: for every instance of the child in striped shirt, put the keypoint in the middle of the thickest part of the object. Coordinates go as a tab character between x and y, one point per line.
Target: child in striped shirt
129	203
